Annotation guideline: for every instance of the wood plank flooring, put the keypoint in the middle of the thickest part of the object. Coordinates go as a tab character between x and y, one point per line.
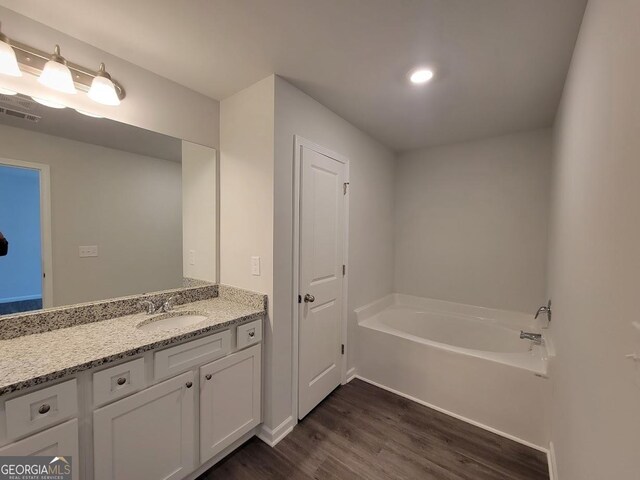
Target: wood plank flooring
363	432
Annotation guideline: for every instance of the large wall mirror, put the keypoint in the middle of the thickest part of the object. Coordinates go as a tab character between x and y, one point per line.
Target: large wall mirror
95	209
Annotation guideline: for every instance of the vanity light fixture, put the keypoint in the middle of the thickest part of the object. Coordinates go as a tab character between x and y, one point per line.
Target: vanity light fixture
8	61
102	88
420	76
55	72
56	75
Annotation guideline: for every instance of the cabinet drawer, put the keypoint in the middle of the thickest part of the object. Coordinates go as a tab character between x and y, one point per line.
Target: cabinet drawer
182	357
249	334
41	409
117	382
60	441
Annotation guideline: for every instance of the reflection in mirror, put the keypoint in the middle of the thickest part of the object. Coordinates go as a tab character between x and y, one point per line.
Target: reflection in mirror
94	209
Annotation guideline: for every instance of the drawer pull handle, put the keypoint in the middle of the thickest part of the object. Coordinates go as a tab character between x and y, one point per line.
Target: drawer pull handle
121	381
208	376
252	334
44	409
189	384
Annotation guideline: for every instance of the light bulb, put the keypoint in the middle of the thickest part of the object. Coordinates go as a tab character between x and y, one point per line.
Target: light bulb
421	76
102	89
48	103
8	62
56	74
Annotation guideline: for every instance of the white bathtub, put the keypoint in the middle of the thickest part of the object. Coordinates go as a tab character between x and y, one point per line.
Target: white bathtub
464	360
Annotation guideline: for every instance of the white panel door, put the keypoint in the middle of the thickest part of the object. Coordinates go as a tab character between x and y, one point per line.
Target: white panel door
229	400
60	441
322	217
149	435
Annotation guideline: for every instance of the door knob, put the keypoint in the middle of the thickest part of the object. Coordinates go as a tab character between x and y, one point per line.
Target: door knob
308	298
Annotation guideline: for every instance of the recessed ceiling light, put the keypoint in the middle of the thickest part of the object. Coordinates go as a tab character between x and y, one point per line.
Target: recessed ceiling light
421	75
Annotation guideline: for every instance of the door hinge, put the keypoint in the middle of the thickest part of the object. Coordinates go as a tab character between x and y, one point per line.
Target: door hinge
299	298
345	186
344	270
342	349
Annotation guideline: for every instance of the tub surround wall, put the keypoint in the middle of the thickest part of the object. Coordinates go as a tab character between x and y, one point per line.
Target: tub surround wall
594	264
471	221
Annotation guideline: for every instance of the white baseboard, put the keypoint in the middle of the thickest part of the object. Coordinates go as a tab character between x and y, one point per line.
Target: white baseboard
272	437
455	415
351	374
553	465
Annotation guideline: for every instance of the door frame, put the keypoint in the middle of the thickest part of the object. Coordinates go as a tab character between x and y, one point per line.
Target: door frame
299	143
45	224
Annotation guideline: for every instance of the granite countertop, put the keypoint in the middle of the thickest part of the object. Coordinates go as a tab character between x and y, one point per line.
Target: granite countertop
30	360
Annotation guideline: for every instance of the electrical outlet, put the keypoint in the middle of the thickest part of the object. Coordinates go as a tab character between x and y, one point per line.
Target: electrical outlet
192	257
88	251
255	266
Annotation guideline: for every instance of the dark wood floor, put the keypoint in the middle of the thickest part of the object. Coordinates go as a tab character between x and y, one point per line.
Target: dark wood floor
363	432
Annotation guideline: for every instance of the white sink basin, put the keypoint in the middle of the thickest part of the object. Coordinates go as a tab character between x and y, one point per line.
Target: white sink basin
170	321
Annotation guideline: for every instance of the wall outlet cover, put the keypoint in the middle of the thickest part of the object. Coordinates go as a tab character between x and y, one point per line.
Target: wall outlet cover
88	251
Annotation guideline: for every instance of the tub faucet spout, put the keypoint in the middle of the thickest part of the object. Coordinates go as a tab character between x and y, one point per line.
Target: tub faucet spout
536	338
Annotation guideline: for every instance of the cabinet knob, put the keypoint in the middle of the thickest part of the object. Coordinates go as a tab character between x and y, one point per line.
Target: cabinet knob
208	376
252	334
121	381
44	409
189	384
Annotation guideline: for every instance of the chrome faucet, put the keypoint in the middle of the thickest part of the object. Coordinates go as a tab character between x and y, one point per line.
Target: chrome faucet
545	309
536	338
149	306
169	303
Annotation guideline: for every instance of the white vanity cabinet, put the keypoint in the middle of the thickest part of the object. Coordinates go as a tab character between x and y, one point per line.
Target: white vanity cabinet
56	441
229	400
167	414
149	435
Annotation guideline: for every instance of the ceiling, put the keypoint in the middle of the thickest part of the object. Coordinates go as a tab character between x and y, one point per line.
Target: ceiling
500	64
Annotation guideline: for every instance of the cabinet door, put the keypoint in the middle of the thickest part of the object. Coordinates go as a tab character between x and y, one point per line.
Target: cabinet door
149	435
60	441
229	400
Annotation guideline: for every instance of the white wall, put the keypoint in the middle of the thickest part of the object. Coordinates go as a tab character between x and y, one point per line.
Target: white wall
595	257
199	213
370	221
256	194
129	205
152	102
246	201
471	221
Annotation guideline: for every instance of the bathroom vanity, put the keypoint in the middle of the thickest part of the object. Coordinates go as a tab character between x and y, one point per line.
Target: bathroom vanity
128	402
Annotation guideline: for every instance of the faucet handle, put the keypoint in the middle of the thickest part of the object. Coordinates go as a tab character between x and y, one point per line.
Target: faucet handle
149	305
170	302
545	309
